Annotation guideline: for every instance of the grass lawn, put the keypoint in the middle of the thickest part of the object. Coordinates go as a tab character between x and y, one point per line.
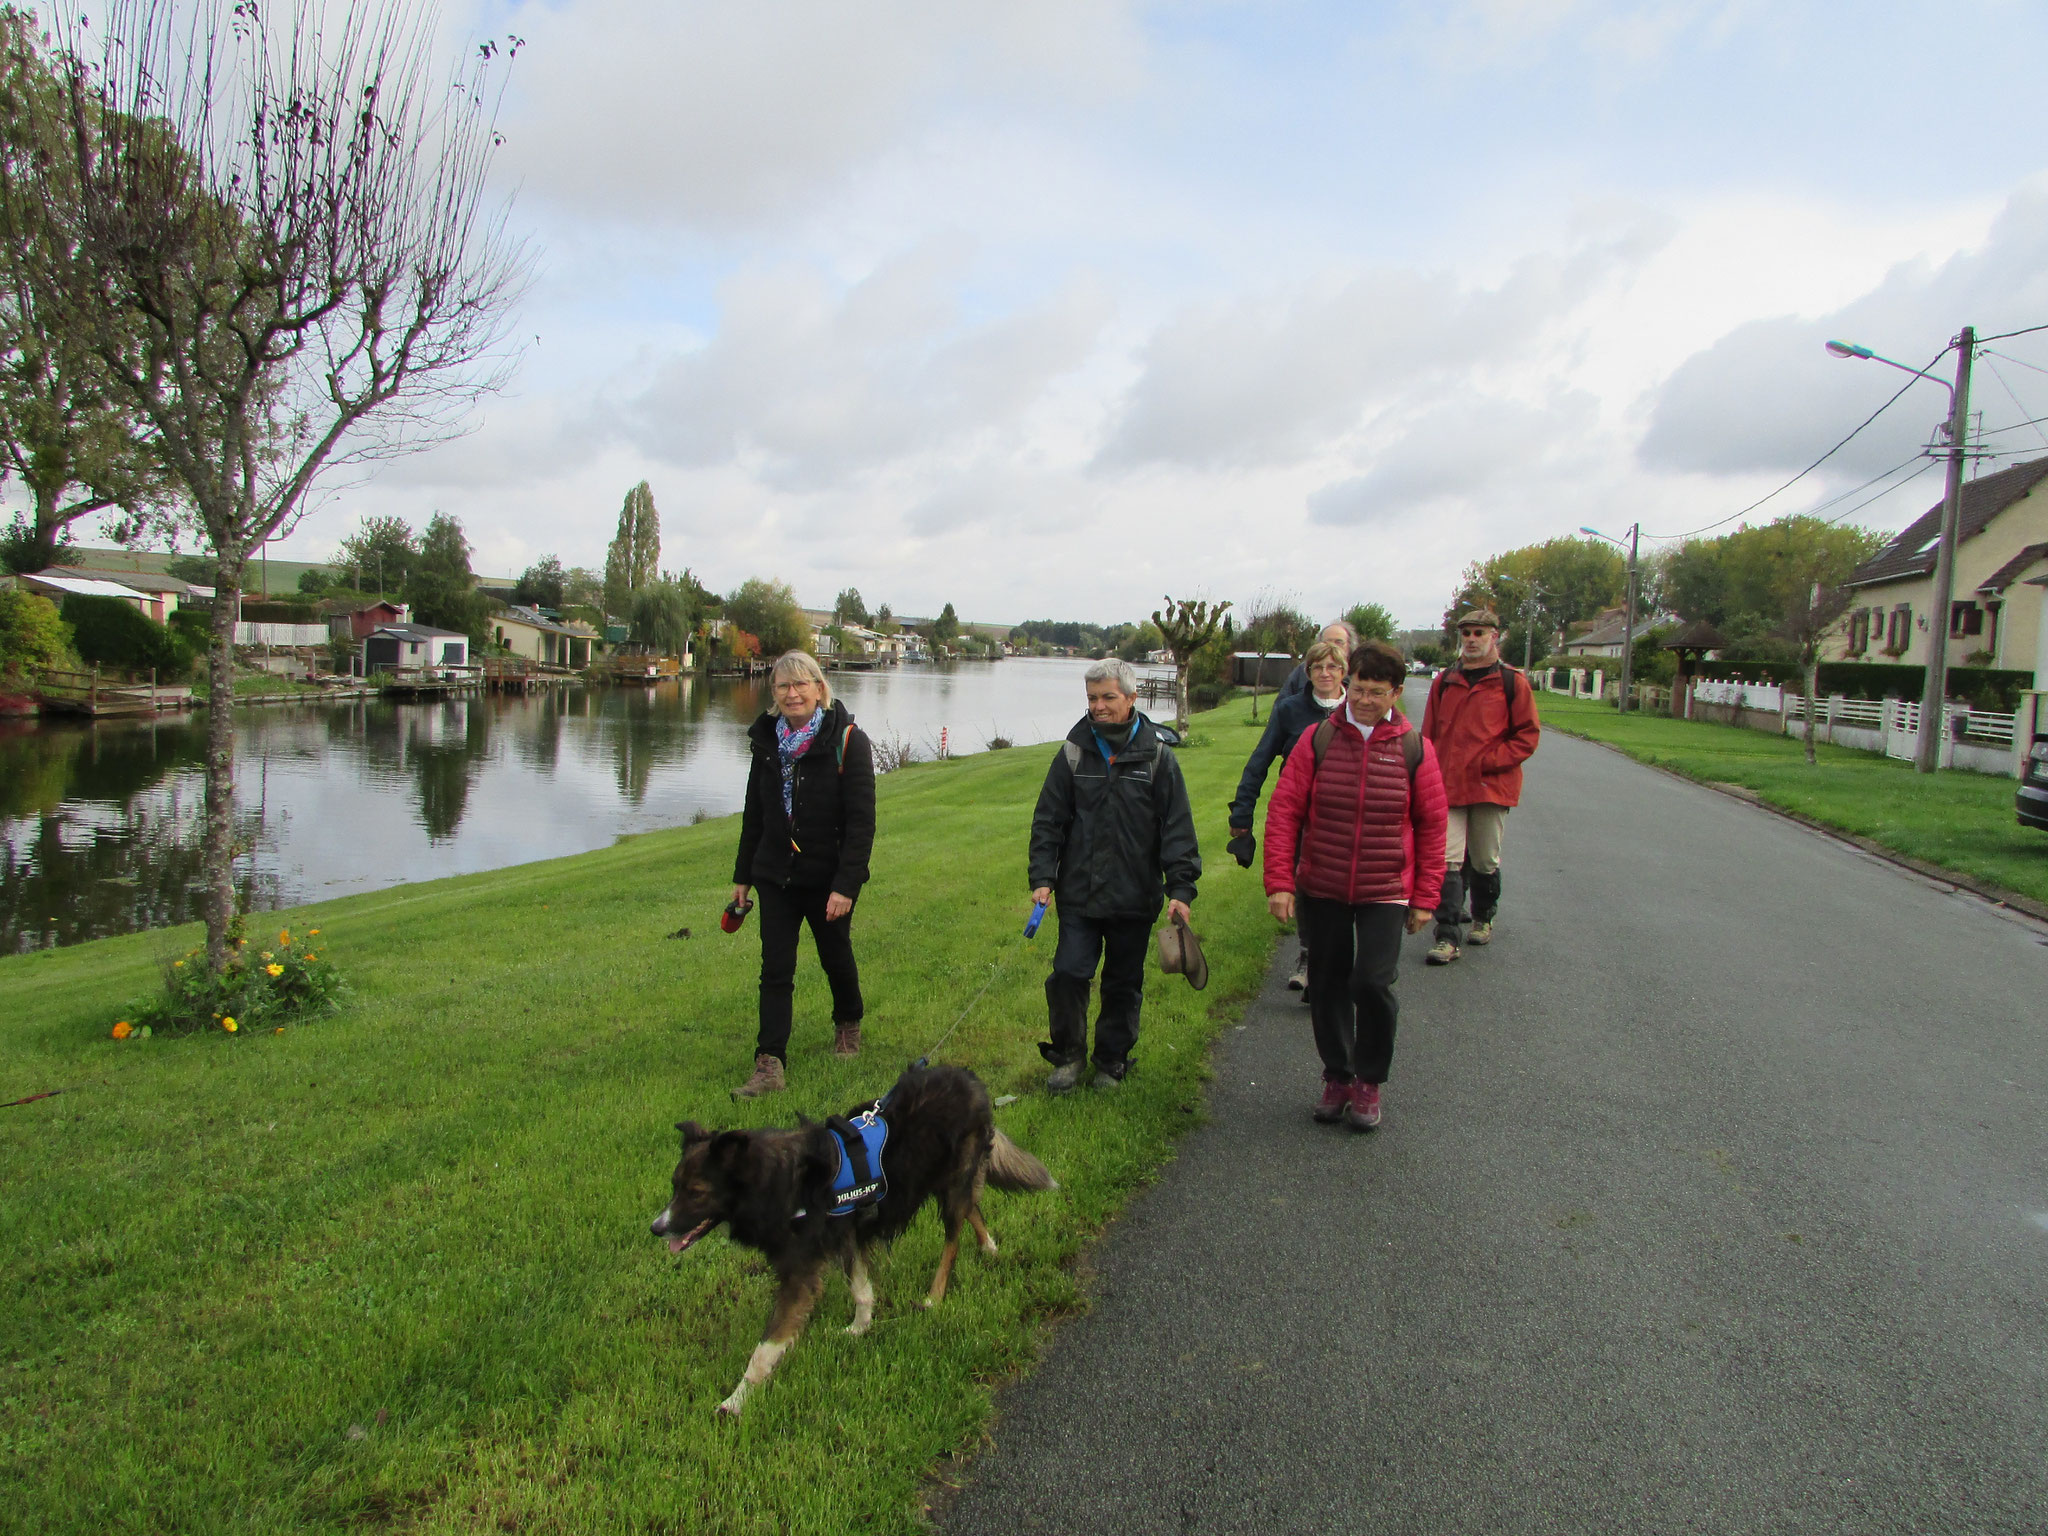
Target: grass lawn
1960	821
254	683
392	1268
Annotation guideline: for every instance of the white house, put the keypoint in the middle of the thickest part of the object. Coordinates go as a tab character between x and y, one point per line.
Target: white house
413	647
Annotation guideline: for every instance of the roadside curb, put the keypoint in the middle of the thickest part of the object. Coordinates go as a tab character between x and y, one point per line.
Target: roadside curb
1997	894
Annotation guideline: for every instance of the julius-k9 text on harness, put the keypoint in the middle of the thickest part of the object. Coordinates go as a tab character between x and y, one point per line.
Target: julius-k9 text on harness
860	1181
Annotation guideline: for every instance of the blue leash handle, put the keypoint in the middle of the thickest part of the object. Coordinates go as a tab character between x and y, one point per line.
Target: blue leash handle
1031	923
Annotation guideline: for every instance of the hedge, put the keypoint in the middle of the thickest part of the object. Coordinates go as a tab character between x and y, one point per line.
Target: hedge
113	632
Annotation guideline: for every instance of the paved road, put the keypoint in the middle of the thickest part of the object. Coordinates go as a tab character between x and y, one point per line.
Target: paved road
1712	1198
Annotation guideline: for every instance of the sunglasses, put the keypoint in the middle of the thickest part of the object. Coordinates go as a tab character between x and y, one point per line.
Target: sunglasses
1473	634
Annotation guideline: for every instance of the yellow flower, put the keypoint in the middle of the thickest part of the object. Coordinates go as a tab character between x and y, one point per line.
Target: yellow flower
229	1025
284	935
275	970
178	965
312	933
123	1030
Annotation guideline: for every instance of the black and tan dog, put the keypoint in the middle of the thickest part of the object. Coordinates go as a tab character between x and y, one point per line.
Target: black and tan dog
773	1190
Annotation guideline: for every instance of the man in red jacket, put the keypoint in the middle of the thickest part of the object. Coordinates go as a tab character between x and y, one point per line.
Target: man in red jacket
1356	831
1481	718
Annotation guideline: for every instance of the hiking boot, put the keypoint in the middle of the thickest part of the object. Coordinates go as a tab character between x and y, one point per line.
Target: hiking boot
1108	1078
1482	932
1066	1077
1363	1112
767	1078
1331	1106
1298	982
845	1039
1443	952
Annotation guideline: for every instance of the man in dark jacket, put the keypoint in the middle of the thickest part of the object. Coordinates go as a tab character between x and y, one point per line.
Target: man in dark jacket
1113	837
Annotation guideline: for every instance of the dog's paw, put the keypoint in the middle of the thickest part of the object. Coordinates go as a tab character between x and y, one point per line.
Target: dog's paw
730	1408
860	1327
988	1246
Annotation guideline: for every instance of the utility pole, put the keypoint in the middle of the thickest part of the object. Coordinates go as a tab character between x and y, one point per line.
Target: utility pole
1628	634
1927	756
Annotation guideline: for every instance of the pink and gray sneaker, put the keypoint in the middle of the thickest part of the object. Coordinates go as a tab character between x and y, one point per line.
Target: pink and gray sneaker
1335	1100
1362	1113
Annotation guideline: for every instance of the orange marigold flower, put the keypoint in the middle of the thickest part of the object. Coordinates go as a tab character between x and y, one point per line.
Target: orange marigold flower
284	935
275	970
123	1030
229	1025
312	933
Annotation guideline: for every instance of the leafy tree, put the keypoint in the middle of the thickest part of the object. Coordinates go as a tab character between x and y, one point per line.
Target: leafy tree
849	609
583	587
442	589
946	627
32	636
544	584
664	616
382	550
76	442
635	551
1371	620
1755	585
317	582
1140	641
1541	589
885	621
769	611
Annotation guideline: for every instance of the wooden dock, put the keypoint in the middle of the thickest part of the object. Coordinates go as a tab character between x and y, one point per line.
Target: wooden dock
500	674
96	695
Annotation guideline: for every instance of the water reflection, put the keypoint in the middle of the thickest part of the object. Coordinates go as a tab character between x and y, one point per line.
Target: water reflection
100	824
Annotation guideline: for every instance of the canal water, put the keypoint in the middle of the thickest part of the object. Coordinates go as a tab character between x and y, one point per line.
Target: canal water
100	824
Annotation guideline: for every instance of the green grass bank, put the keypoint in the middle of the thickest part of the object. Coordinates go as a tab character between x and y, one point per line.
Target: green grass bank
391	1270
1955	820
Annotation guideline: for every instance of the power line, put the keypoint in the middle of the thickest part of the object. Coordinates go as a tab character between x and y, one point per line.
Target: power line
2002	335
1988	363
1925	466
2020	360
1816	464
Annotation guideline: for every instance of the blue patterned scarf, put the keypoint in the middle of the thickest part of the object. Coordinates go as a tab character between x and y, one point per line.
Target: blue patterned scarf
789	746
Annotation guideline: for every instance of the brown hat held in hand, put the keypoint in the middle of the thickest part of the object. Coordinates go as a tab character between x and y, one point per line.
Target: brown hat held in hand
1480	616
1180	954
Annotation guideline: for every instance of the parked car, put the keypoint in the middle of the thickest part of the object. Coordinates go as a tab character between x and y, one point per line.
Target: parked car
2031	804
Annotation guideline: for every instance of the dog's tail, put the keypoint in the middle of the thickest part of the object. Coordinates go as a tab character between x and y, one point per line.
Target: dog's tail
1011	1167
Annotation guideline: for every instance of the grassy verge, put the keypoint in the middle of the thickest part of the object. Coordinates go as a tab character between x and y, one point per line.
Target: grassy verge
393	1268
255	683
1958	821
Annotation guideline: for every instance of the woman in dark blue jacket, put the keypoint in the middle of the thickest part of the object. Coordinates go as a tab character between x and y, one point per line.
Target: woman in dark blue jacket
1293	714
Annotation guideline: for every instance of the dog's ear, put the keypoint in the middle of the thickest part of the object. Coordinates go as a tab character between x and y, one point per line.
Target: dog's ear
692	1133
729	1149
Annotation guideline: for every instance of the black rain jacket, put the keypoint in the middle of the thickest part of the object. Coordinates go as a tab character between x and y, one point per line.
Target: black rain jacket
1115	838
833	834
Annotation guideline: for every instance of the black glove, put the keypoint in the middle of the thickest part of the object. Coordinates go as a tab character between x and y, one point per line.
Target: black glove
1242	847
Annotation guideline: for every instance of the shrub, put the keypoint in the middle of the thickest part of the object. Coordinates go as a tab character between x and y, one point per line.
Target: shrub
112	632
32	637
286	982
1205	695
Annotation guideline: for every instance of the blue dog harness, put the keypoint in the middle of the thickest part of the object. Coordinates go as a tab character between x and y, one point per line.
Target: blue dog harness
859	1181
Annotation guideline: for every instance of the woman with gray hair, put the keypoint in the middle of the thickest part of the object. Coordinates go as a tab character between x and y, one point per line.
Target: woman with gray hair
805	838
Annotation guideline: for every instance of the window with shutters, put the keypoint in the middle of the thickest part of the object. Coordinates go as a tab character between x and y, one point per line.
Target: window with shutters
1859	631
1965	619
1899	632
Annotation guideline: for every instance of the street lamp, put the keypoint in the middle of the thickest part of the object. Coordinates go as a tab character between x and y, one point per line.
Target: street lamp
1628	634
1934	694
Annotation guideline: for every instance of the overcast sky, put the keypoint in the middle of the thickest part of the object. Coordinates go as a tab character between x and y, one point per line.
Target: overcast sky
1049	309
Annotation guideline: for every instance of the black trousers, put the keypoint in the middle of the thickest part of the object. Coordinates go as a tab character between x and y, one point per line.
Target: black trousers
1354	957
784	910
1118	944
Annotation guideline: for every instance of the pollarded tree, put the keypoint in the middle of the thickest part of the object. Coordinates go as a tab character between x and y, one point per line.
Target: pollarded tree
277	243
635	553
1188	626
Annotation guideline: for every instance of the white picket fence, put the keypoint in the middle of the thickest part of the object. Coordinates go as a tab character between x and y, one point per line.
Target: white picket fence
1975	739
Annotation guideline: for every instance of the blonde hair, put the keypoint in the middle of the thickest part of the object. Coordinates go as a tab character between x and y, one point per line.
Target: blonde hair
797	664
1325	650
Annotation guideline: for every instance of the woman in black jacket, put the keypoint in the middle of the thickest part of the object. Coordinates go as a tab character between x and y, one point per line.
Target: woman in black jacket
805	838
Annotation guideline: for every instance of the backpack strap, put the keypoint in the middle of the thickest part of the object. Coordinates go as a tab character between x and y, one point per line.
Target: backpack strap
1072	754
839	747
1326	732
1411	749
1320	738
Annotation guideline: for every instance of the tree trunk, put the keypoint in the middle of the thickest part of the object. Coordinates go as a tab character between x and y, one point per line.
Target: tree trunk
1812	702
49	527
1180	695
217	850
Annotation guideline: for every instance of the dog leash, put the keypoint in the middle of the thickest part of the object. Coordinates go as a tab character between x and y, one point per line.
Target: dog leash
995	970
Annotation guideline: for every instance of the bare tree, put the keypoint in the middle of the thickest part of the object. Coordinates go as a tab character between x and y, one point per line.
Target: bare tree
1807	622
279	244
1188	625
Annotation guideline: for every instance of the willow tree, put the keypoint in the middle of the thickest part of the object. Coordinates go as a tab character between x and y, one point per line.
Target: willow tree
1188	626
278	242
